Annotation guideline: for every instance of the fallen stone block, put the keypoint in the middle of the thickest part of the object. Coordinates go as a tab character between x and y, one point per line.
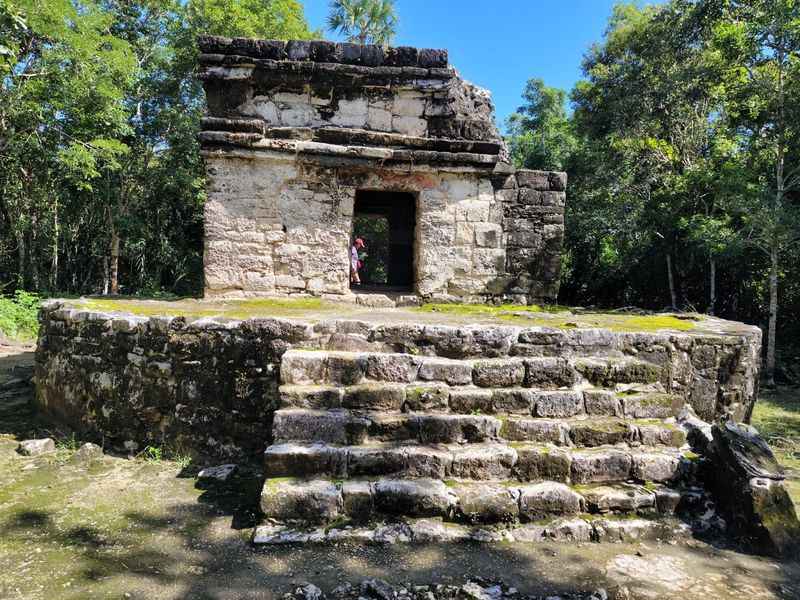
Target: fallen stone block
218	474
36	447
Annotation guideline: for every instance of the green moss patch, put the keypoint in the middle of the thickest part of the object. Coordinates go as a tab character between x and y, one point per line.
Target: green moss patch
231	309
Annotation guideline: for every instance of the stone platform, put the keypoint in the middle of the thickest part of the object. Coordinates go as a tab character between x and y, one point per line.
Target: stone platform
445	422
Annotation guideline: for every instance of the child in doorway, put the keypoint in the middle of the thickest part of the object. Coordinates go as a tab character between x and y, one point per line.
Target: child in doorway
355	260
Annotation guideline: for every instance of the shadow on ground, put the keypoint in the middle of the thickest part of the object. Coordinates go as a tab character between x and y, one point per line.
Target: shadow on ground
119	528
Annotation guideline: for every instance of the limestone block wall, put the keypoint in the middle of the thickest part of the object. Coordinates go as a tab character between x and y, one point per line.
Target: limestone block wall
302	84
281	224
210	387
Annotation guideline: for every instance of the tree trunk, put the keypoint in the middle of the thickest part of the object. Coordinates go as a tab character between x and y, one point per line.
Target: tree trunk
113	267
21	261
54	262
712	285
672	295
773	316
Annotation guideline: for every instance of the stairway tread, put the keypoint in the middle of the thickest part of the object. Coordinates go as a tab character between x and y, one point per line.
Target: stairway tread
321	500
353	427
561	403
478	461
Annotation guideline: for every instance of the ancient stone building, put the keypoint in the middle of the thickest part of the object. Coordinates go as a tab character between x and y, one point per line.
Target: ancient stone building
303	138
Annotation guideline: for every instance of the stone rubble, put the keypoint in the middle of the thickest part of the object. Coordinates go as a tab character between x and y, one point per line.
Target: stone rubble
475	589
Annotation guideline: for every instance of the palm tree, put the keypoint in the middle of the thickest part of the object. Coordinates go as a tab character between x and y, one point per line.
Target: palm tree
364	21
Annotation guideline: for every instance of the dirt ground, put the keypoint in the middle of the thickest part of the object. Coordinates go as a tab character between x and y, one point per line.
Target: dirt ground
117	527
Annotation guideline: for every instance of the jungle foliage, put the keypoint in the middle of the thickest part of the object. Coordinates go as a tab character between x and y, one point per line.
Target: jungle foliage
101	183
682	148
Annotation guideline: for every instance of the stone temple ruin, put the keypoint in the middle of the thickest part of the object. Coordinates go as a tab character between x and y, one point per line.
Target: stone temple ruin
303	138
404	424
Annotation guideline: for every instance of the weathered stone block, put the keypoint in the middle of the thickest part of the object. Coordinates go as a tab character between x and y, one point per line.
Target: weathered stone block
427	461
374	396
549	373
536	463
371	461
426	397
498	373
483	462
597	466
357	500
618	498
449	371
398	368
471	400
299	460
651	405
602	403
558	404
599	432
420	498
542	431
332	427
309	501
486	503
513	401
548	498
445	429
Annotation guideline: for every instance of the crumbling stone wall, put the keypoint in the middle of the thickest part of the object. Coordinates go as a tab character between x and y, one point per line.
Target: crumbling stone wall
211	387
296	129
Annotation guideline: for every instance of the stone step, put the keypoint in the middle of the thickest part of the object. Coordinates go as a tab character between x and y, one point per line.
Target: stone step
572	529
556	404
478	461
325	500
345	427
317	367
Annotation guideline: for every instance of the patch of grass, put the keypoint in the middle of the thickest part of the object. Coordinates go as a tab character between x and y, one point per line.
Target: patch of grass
153	454
777	417
18	315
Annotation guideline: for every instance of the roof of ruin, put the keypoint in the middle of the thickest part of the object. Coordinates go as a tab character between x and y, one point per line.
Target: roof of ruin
309	87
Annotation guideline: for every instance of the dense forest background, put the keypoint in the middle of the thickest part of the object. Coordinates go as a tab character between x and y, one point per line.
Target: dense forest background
682	144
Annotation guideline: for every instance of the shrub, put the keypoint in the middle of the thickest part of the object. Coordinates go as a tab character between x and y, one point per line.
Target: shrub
18	315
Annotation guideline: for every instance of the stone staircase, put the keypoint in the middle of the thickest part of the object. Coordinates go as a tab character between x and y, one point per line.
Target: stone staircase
371	437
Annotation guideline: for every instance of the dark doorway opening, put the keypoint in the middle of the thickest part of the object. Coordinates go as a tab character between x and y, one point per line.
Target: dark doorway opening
385	221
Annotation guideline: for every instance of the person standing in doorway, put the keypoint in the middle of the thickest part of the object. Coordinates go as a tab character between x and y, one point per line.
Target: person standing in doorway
355	261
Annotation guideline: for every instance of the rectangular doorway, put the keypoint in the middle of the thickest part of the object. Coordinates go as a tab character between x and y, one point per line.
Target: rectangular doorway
385	221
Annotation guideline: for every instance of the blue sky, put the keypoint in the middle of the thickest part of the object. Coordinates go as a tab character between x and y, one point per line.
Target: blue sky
500	44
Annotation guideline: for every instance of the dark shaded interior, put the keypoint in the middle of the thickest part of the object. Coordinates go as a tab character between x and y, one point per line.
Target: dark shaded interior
386	220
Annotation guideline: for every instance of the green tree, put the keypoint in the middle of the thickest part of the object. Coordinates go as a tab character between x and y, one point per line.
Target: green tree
60	119
540	132
266	19
758	44
364	21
